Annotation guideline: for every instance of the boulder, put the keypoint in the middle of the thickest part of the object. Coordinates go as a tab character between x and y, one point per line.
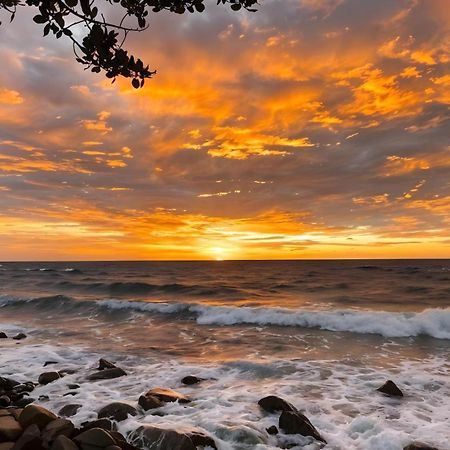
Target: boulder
36	415
23	387
121	442
105	364
48	377
63	443
419	446
19	336
4	401
107	374
10	428
95	437
69	410
272	403
7	384
391	389
147	402
272	430
167	395
294	422
7	445
3	335
191	379
117	411
105	424
22	402
156	438
58	427
30	440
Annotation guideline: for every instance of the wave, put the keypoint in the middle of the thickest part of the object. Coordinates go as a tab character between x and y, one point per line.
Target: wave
433	322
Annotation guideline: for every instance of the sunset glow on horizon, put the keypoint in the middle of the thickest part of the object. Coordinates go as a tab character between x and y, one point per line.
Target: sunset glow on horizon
312	129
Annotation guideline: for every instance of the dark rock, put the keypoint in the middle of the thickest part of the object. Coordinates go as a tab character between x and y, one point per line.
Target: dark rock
105	424
113	447
69	410
272	430
167	395
43	398
48	363
36	415
7	445
147	402
58	427
95	437
419	446
19	336
117	411
7	384
105	364
63	443
3	335
30	440
4	401
22	402
10	428
272	403
70	393
24	387
121	442
73	386
294	422
391	389
107	374
48	377
156	438
191	379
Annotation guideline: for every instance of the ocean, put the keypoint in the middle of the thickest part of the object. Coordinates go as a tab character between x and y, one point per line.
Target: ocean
323	335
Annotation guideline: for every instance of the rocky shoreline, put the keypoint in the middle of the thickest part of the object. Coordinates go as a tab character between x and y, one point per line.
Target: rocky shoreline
25	425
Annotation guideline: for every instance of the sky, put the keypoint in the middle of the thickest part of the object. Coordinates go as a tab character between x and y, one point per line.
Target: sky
309	129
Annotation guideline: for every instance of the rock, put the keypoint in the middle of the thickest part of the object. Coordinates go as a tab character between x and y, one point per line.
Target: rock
69	410
294	422
58	427
48	363
7	445
43	398
4	401
117	411
95	437
147	402
391	389
63	443
419	446
19	336
191	379
121	442
36	415
113	447
7	384
30	439
272	403
167	395
73	386
48	377
3	335
22	402
156	438
23	387
107	374
105	424
105	364
272	430
10	428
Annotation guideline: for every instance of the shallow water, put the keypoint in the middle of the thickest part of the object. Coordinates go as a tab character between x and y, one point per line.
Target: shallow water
322	334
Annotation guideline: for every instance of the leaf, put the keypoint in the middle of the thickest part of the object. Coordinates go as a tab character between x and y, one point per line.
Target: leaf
135	83
236	6
200	7
39	19
71	3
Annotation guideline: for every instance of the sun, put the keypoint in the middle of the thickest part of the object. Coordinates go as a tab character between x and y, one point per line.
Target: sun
219	253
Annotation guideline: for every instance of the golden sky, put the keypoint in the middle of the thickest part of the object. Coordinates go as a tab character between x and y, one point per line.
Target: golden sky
310	129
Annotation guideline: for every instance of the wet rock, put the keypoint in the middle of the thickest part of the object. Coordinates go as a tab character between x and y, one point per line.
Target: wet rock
3	335
272	430
48	377
58	427
391	389
113	447
24	401
419	446
147	402
36	415
95	437
121	442
69	410
167	395
19	336
294	422
272	403
107	374
43	398
7	384
49	363
191	379
105	364
105	424
63	443
70	393
30	440
157	438
10	428
7	445
117	411
4	401
23	387
73	386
